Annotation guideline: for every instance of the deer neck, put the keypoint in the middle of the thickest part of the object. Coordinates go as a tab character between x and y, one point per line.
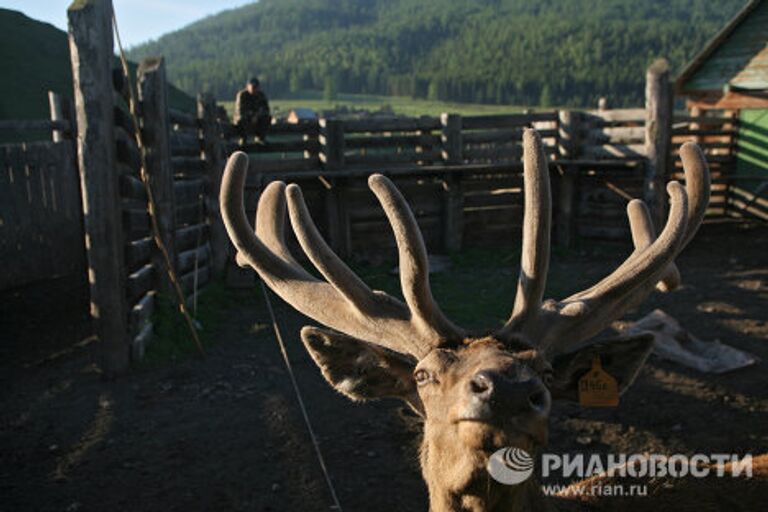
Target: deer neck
458	481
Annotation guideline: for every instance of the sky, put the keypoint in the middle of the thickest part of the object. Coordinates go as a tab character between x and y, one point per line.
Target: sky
138	20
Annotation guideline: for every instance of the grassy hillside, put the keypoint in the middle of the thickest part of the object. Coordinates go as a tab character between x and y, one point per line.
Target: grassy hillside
35	57
403	105
519	52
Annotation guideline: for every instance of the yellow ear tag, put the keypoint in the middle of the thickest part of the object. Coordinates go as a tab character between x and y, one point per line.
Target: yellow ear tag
597	388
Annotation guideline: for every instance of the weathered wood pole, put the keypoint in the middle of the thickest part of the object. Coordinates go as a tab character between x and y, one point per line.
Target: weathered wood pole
568	146
57	115
453	212
658	137
213	152
90	44
451	139
332	145
155	127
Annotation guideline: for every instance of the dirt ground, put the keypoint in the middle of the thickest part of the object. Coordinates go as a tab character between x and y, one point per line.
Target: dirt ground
225	433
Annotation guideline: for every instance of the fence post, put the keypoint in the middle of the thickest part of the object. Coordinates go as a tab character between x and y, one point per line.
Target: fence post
213	151
332	143
90	43
658	133
57	115
451	138
156	129
568	146
453	212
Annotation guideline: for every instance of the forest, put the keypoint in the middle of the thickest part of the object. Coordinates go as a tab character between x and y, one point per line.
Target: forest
519	52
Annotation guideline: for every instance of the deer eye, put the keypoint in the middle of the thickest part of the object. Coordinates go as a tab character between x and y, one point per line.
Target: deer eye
422	377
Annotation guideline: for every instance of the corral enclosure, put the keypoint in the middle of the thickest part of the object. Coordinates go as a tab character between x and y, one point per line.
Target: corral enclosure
462	176
223	432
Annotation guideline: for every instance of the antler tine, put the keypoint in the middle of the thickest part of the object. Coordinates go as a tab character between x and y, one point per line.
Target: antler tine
414	263
587	313
346	303
270	220
697	184
643	235
322	257
537	220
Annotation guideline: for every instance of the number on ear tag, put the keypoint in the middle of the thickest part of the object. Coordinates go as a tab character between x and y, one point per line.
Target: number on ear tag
597	388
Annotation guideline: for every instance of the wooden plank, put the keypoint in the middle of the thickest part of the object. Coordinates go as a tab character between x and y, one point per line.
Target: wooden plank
188	165
505	120
23	125
138	253
400	124
619	114
190	214
153	94
281	165
140	342
185	139
182	118
191	236
141	312
716	132
283	146
139	283
132	187
187	280
390	158
90	44
186	261
512	136
135	223
494	153
189	190
615	151
391	141
126	150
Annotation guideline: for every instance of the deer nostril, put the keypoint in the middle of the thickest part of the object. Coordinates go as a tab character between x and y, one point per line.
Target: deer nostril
481	384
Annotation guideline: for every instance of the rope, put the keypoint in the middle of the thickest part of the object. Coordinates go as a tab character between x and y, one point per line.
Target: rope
151	205
315	442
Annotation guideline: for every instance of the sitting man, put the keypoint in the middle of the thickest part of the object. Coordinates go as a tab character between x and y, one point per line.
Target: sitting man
252	115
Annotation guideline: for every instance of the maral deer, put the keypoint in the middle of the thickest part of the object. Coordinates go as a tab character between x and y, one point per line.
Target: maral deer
476	394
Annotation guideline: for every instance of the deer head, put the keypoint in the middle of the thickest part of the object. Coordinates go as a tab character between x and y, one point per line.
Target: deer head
476	393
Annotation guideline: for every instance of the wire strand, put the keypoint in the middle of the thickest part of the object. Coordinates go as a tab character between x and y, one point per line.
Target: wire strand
300	400
151	204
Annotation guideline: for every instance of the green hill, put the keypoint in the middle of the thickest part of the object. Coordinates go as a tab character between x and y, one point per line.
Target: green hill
494	51
35	57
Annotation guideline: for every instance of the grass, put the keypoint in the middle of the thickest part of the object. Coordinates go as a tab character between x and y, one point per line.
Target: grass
172	340
478	290
402	105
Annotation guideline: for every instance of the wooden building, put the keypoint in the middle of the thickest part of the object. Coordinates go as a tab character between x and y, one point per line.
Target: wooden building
730	75
731	72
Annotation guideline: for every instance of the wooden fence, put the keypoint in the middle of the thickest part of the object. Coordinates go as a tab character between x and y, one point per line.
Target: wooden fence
462	176
40	212
183	159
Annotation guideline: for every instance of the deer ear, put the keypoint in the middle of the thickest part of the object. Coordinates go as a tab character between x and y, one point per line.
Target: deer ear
620	357
359	370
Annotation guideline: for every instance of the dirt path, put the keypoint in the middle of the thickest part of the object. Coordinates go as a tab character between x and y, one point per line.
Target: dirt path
224	432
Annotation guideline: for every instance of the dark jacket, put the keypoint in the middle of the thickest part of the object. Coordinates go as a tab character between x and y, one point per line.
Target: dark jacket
250	107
